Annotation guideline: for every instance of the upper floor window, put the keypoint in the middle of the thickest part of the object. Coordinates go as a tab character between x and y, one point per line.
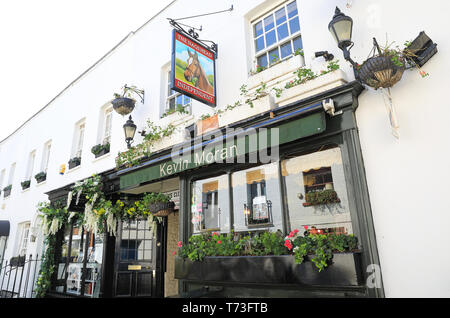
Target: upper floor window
176	101
107	123
2	178
11	173
46	156
78	139
30	166
276	34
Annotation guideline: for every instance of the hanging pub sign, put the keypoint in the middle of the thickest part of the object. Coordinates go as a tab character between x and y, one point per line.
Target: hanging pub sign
193	69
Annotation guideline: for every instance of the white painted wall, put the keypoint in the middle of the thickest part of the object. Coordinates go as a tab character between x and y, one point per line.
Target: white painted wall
407	178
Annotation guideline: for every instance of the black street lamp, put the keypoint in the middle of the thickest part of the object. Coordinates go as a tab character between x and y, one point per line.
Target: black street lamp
130	129
341	30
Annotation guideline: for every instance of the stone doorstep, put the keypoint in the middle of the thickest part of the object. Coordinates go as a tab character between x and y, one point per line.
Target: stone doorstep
312	87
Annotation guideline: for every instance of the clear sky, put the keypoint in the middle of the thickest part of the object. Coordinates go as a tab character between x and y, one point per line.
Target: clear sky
46	44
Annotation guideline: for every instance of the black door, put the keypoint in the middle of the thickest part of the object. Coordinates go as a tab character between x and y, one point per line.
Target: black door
139	270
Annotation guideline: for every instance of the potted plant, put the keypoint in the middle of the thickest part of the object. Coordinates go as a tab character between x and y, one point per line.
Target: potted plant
7	191
124	104
74	162
41	176
25	184
100	149
159	204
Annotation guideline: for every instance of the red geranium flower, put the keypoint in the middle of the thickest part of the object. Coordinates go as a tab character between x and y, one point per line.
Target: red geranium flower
288	244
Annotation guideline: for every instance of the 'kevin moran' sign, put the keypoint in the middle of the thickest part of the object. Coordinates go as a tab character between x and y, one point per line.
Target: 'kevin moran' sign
237	146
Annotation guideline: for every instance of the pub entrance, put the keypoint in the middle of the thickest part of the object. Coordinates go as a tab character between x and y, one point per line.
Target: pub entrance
140	258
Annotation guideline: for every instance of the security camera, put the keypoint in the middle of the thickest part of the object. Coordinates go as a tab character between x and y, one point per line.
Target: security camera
327	56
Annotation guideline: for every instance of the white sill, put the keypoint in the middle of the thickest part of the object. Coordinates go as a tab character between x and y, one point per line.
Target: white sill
73	169
41	183
98	158
27	189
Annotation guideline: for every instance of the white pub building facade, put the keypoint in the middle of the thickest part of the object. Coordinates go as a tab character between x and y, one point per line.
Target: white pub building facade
342	113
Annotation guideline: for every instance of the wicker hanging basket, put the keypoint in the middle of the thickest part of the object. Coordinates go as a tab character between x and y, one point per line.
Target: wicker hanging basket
161	208
123	105
380	71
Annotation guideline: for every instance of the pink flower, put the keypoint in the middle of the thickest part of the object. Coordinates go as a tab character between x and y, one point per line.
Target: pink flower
180	244
219	242
306	227
288	244
215	234
295	231
173	253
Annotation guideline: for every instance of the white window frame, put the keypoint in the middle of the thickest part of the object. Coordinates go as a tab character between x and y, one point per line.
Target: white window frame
78	140
2	179
11	174
277	43
30	166
24	232
172	95
46	156
107	126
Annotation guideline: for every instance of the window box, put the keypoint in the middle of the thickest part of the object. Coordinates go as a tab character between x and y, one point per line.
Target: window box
17	261
74	162
320	84
7	191
345	270
25	184
100	150
40	177
207	124
243	111
274	72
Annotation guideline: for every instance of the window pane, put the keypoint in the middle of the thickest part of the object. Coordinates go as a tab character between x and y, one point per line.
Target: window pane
258	29
316	191
257	199
286	49
210	205
282	31
268	23
179	101
270	38
280	16
274	56
298	43
172	104
259	44
262	60
292	9
294	25
187	100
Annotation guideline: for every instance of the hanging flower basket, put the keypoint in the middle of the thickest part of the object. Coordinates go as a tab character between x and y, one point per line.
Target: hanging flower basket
123	105
161	208
381	71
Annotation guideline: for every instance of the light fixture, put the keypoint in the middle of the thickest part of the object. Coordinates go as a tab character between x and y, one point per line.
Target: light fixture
340	28
130	129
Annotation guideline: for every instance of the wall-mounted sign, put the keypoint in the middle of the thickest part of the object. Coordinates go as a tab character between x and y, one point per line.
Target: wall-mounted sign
193	69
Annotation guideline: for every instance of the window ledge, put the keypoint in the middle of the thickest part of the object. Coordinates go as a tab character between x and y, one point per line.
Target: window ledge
276	71
315	86
98	158
41	183
73	169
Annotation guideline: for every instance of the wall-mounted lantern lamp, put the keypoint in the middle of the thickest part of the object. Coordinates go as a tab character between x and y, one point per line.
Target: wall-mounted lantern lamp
130	129
340	28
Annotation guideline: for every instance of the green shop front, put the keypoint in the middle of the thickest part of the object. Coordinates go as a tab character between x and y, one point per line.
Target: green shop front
296	167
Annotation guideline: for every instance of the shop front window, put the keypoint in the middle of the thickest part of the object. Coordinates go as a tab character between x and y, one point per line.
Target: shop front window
210	205
75	260
316	192
257	199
